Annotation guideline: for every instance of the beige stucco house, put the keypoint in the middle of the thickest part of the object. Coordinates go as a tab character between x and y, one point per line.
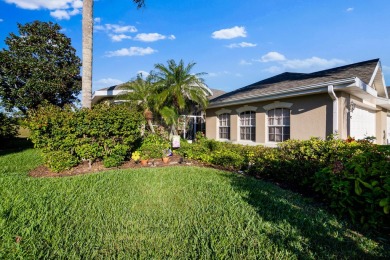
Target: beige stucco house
351	100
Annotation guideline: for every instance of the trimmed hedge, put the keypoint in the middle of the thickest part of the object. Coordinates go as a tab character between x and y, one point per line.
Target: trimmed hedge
67	136
352	177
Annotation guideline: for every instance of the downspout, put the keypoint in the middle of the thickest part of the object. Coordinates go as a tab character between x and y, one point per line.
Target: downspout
335	120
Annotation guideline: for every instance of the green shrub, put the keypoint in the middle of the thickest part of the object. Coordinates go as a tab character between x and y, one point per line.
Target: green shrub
153	146
113	161
228	159
86	134
358	184
8	126
60	160
197	151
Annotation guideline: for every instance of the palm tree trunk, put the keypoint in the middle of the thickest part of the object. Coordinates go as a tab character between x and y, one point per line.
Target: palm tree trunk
87	53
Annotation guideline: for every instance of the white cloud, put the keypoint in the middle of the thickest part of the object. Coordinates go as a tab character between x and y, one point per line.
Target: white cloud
350	9
99	27
217	74
97	19
116	32
107	82
312	62
149	37
63	14
60	14
298	64
245	62
234	32
143	73
152	37
272	56
121	28
119	37
77	4
274	69
42	4
132	51
59	9
241	45
75	11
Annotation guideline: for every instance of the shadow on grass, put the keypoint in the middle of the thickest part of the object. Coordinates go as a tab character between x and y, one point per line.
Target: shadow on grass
301	227
14	145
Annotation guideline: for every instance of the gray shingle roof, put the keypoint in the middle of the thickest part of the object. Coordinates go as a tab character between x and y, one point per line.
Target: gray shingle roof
287	80
216	93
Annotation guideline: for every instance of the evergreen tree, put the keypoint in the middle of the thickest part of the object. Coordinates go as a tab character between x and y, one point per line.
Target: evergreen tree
40	65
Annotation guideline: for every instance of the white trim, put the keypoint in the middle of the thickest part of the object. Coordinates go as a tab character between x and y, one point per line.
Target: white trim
366	105
277	104
223	111
360	84
373	76
218	125
335	120
267	126
246	108
378	69
110	93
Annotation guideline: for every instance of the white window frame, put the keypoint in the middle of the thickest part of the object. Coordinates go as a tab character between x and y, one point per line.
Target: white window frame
218	113
249	123
283	125
224	123
273	106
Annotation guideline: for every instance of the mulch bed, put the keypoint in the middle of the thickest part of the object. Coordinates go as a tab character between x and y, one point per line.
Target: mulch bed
83	168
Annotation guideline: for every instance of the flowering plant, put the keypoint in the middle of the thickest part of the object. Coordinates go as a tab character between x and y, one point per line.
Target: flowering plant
136	156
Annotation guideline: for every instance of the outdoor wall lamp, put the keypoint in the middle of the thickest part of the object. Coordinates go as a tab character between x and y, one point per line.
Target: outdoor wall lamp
351	107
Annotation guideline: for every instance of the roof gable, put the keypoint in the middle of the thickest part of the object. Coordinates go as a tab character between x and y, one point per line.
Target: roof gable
377	82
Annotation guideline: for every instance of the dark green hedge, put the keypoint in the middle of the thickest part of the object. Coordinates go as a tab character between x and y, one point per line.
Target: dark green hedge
67	136
8	126
352	177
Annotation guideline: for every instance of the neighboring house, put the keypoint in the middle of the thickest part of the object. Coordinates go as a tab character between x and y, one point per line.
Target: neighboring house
108	94
351	100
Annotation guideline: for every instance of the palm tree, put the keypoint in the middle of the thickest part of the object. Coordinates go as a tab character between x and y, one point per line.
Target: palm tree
141	92
87	27
178	89
87	30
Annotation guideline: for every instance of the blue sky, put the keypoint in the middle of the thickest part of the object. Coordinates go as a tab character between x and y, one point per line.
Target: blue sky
236	42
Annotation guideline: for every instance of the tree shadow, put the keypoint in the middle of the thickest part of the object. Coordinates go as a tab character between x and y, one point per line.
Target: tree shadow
300	226
14	145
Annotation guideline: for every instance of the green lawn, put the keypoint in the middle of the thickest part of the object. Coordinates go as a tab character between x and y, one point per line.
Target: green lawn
177	212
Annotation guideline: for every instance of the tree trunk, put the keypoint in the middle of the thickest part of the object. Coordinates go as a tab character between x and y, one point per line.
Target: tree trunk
150	125
149	116
87	53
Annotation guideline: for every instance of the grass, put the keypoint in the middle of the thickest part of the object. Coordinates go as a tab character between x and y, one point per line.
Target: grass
177	212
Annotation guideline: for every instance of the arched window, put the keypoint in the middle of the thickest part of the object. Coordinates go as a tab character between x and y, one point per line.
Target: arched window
278	124
224	126
248	125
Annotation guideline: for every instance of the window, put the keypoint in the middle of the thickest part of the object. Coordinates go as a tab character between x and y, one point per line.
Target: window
224	126
278	124
248	125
